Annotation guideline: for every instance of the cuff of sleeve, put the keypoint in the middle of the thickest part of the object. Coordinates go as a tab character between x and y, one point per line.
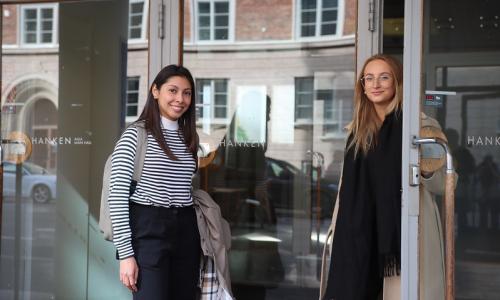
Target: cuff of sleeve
124	253
122	258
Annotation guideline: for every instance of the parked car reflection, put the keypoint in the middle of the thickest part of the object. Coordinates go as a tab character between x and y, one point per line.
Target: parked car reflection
282	176
37	182
279	215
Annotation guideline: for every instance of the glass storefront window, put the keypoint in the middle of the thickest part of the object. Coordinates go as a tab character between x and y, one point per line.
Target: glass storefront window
462	74
272	108
73	73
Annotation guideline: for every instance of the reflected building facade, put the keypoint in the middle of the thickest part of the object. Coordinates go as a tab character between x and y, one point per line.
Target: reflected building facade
274	89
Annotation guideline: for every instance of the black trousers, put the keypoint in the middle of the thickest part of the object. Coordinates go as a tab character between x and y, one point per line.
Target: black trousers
166	243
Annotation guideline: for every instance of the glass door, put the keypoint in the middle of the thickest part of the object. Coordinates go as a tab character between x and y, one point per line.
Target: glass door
73	73
451	61
274	91
461	64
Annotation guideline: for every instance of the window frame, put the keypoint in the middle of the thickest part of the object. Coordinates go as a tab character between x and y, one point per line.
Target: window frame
318	23
127	93
308	120
21	21
145	18
213	120
195	22
338	116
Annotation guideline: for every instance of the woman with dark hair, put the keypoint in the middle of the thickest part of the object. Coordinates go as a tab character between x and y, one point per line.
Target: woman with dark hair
154	225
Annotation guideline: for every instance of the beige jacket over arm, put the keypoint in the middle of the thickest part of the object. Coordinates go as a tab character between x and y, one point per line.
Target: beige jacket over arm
431	258
215	238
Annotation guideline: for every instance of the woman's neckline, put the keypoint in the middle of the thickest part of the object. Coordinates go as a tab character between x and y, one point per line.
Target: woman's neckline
169	124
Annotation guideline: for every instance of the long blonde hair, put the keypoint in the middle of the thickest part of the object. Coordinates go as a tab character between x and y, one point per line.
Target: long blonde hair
365	124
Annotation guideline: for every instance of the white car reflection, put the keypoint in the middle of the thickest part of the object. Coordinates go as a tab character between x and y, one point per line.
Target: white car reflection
37	182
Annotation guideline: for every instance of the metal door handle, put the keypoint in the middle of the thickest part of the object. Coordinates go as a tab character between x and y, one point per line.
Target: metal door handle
449	201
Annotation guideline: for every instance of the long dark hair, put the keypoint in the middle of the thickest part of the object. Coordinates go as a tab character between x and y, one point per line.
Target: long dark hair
187	122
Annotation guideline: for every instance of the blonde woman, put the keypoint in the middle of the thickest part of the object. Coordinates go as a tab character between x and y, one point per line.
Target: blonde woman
365	253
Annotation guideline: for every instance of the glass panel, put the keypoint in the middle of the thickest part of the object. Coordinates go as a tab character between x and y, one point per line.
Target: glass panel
221	34
135	33
30	26
204	34
70	113
47	38
204	7
329	15
137	7
136	21
221	21
327	29
304	99
393	28
304	113
220	99
30	38
308	4
47	13
47	25
263	124
220	112
133	84
221	7
308	30
220	86
132	110
204	21
463	52
330	3
305	84
308	17
30	14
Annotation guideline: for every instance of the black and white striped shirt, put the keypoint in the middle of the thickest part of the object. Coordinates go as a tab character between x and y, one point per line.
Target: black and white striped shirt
163	182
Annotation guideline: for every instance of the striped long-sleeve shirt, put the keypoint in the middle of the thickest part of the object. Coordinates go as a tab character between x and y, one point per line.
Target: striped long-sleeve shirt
163	182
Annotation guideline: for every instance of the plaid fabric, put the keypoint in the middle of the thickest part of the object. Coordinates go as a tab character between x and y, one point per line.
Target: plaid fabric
208	279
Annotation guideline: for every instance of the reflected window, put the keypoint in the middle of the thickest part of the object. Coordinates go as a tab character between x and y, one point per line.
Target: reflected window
304	89
212	20
337	110
318	17
38	24
9	168
132	96
211	99
136	29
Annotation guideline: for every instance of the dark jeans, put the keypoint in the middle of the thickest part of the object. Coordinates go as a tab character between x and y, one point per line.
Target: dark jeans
166	243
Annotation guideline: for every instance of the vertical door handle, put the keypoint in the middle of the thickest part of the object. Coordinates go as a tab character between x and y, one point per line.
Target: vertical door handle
449	214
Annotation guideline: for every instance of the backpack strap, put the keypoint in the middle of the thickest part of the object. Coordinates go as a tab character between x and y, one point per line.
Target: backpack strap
140	152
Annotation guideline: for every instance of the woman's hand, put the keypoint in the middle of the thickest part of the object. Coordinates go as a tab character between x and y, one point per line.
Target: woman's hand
129	271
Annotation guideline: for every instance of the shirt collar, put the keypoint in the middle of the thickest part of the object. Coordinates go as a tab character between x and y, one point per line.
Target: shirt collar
169	124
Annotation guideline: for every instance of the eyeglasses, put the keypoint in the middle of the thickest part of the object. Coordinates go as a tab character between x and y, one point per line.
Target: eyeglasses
368	81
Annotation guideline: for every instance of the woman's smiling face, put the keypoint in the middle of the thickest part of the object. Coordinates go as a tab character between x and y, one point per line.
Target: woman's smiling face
378	83
174	97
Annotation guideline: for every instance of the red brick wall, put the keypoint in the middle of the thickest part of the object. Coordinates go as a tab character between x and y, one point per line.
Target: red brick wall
263	20
9	25
350	17
187	21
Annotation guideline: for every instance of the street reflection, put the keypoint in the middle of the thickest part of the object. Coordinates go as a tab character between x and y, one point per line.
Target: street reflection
270	204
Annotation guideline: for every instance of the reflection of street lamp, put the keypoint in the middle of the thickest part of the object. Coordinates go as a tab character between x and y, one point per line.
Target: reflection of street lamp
18	147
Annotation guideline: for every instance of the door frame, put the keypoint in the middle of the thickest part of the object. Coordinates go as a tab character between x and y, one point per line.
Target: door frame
412	82
369	42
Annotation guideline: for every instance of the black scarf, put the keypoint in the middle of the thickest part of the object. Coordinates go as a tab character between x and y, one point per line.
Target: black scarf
367	238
